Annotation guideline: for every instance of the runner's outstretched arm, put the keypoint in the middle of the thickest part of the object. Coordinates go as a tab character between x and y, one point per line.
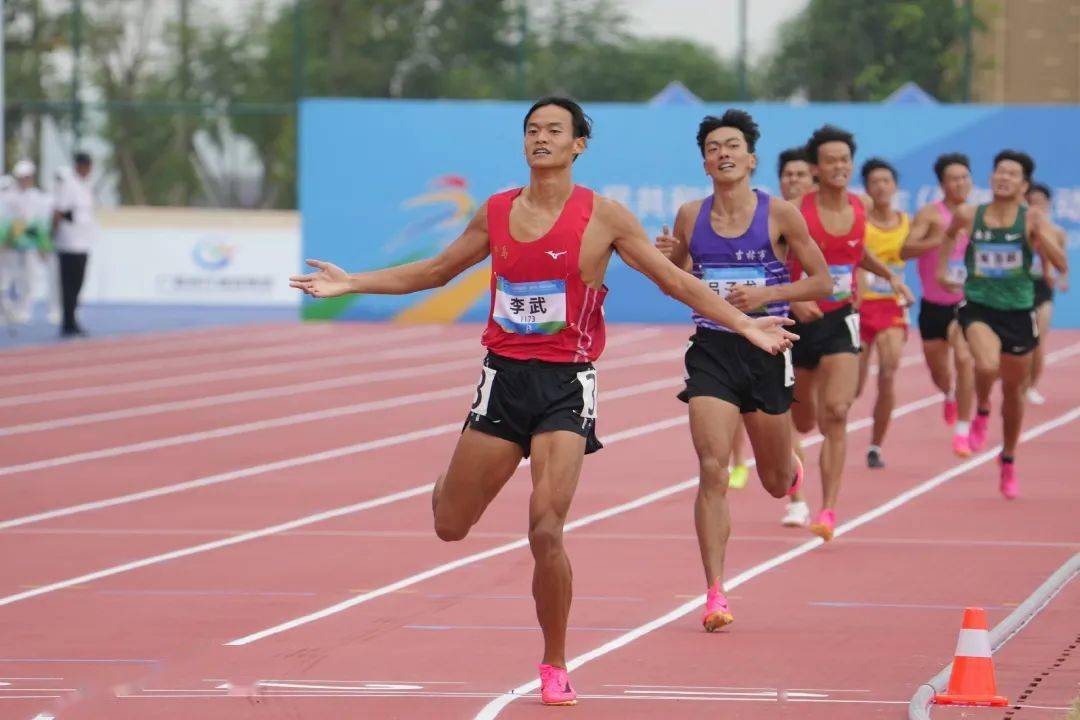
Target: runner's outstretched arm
471	247
1043	238
633	246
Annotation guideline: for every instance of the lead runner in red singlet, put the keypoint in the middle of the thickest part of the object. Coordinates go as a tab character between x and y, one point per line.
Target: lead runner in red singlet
550	243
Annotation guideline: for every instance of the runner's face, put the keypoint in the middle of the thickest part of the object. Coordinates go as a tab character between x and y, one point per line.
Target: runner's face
1007	180
549	138
1037	200
956	183
881	186
727	158
796	179
834	165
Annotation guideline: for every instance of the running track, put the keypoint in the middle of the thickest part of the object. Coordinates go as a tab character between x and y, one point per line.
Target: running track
234	523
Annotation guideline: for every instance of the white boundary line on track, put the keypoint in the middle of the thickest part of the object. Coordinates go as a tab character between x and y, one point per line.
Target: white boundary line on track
523	542
290	348
390	441
304	521
492	709
157	383
125	345
229	430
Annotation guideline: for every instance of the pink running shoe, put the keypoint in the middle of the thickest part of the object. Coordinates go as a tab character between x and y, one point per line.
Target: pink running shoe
1010	486
555	686
797	481
952	412
825	525
980	425
717	614
960	446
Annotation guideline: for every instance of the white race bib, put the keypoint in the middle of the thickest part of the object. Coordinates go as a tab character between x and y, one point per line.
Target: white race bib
998	260
956	272
841	281
723	280
530	307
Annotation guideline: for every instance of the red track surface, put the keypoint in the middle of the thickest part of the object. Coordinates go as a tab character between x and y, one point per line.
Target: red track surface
841	631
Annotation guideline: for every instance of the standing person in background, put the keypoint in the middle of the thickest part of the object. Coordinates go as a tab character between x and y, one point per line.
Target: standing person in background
883	317
30	213
1038	196
75	229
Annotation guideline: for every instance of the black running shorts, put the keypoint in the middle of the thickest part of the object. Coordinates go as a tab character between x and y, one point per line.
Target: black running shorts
1017	329
934	319
837	332
517	399
727	366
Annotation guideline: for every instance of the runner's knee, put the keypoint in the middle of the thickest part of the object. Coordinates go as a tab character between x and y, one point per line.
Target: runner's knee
545	534
713	474
450	529
836	411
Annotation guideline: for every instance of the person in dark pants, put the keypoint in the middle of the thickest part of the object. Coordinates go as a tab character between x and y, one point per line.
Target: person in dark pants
75	230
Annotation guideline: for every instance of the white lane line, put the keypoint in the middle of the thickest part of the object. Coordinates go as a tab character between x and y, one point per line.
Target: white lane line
492	709
230	430
250	371
524	541
357	448
300	522
323	345
241	373
159	343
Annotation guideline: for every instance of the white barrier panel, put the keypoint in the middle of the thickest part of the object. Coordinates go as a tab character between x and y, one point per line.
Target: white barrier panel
194	257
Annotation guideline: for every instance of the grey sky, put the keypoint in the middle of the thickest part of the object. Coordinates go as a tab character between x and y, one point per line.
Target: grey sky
713	22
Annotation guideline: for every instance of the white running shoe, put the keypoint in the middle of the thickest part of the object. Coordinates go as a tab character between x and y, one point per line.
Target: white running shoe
797	515
1035	397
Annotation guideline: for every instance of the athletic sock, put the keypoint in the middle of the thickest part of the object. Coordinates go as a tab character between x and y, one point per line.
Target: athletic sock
951	395
1007	459
963	427
874	448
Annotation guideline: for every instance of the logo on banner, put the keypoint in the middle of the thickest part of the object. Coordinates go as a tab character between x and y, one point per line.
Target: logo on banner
212	253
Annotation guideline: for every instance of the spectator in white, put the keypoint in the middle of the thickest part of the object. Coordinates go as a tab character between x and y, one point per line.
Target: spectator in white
30	212
7	250
75	230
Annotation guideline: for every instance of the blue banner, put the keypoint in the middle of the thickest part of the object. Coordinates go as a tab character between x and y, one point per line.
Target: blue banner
388	182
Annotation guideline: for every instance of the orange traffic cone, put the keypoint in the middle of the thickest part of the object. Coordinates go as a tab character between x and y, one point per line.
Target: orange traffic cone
972	681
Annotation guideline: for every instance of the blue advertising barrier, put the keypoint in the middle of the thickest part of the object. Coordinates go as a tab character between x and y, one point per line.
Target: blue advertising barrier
386	182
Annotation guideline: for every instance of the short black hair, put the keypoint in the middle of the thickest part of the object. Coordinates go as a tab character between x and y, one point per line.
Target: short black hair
1026	163
795	154
82	158
582	123
1038	187
944	161
733	118
876	163
826	134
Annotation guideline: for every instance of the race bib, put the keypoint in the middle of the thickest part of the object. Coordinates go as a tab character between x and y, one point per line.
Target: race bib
879	285
723	280
528	308
998	260
841	281
956	272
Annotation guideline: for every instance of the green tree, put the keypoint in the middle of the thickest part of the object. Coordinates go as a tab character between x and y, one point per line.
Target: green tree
853	50
31	32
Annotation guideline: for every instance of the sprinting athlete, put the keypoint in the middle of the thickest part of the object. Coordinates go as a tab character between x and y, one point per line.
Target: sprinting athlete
997	314
550	243
737	241
941	334
1038	196
796	180
883	318
826	358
